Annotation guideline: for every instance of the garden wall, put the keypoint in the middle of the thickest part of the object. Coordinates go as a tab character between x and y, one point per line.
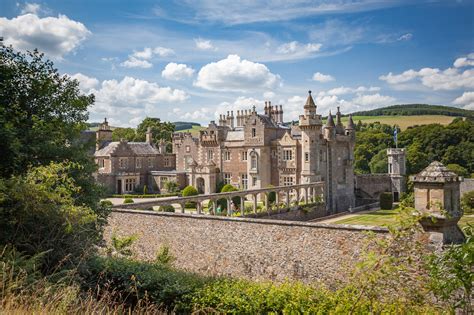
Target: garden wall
244	247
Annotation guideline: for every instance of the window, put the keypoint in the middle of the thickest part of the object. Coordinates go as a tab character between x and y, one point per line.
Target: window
287	155
244	155
187	163
306	156
226	155
254	132
138	163
188	149
150	162
167	162
123	162
226	178
390	168
254	180
287	181
101	163
210	155
244	181
254	162
130	184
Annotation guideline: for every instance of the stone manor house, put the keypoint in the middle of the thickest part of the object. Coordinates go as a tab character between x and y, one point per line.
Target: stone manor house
249	150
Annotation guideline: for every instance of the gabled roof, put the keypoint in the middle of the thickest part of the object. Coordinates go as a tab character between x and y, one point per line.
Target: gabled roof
138	148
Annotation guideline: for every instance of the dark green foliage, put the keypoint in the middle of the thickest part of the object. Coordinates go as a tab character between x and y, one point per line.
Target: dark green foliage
134	280
40	214
160	130
167	208
41	113
386	201
106	204
416	109
123	133
120	245
128	200
467	202
271	195
171	186
458	169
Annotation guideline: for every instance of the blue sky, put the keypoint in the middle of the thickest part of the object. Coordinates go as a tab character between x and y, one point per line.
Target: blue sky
191	60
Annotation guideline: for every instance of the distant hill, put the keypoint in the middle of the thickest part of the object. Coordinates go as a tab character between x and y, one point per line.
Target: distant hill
416	110
183	125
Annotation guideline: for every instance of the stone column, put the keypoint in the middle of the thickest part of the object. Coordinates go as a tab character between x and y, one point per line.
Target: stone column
182	207
305	191
254	203
242	205
297	196
229	210
199	207
267	202
287	198
277	198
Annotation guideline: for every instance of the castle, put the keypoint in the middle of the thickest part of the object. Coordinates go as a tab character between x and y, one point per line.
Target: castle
249	150
252	150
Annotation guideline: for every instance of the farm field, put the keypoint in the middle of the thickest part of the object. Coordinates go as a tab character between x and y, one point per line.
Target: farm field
404	121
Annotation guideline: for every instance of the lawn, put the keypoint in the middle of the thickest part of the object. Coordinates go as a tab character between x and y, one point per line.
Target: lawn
194	131
404	121
387	217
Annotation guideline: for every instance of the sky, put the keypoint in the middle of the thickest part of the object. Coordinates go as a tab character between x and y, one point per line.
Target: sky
185	60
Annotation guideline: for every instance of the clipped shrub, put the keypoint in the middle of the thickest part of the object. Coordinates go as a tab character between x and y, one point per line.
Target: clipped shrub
386	201
106	204
223	202
187	192
167	208
128	200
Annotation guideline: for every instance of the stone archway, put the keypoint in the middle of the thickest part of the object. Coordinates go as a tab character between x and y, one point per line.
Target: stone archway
200	185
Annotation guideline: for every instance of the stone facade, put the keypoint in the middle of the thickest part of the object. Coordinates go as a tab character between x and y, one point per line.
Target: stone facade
252	150
124	167
256	249
437	194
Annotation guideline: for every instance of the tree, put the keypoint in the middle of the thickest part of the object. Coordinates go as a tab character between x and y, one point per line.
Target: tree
417	160
41	113
379	162
458	169
123	133
190	191
160	130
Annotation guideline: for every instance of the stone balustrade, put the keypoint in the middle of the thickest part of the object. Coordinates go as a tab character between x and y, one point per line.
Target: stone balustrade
285	197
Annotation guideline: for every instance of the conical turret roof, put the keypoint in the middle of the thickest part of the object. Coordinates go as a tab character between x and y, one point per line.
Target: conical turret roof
350	124
309	101
330	122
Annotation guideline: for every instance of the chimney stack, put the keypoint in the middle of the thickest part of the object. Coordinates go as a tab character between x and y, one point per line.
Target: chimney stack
149	136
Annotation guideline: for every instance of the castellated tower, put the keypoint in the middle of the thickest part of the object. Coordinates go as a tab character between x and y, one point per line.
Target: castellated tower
103	135
397	171
310	125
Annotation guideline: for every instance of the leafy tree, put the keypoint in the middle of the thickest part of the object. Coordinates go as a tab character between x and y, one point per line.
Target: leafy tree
41	113
160	130
417	160
171	186
187	192
379	162
123	133
467	202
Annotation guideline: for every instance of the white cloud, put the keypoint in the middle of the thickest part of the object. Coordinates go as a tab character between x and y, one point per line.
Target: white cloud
373	100
133	62
55	36
140	58
436	79
86	84
33	8
406	36
174	71
466	99
467	61
203	44
318	76
268	95
349	90
295	47
236	74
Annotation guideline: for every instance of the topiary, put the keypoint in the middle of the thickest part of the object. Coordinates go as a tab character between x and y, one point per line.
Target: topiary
106	204
128	200
386	201
187	192
271	195
467	202
223	202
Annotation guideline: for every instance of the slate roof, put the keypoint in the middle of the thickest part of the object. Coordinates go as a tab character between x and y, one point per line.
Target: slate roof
138	148
435	172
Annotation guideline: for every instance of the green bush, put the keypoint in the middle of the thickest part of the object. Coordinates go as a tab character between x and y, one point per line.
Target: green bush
171	186
167	208
128	200
187	192
106	204
223	202
467	202
386	201
458	169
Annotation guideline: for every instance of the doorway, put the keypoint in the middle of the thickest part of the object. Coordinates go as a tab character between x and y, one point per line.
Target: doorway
119	186
200	185
395	196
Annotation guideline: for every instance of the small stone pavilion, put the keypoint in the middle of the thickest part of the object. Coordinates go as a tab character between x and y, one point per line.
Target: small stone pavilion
437	194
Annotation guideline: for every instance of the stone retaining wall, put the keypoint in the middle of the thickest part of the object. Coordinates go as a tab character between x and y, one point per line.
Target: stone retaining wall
245	247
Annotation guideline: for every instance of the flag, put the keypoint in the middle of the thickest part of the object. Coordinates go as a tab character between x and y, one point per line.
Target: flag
395	135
